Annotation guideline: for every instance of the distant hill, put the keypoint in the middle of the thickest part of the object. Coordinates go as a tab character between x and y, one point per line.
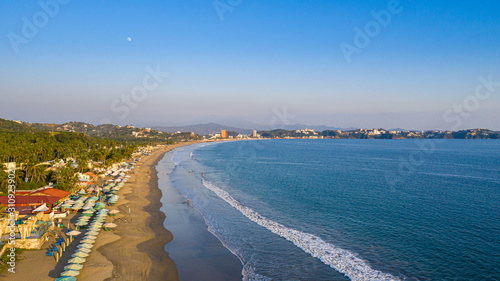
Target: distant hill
202	129
104	130
319	128
14	126
121	133
214	128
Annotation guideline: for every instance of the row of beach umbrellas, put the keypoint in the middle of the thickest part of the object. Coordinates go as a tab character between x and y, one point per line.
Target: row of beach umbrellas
85	246
90	208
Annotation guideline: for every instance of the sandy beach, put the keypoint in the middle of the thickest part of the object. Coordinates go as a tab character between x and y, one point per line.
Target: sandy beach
134	250
138	252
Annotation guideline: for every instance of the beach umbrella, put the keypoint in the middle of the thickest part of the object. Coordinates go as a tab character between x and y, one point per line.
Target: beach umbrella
70	273
76	260
98	189
85	245
66	278
73	233
90	237
73	266
89	212
109	225
80	255
92	233
88	241
81	223
94	228
113	212
83	250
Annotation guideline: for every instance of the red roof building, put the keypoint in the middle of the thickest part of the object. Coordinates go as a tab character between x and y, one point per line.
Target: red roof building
52	192
34	201
34	198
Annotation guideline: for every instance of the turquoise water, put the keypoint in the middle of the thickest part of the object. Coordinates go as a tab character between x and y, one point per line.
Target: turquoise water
350	209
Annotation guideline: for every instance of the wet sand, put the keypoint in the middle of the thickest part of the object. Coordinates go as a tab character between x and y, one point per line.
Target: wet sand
135	249
194	247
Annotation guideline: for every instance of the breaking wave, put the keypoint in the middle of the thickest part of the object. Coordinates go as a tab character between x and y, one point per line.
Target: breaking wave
337	258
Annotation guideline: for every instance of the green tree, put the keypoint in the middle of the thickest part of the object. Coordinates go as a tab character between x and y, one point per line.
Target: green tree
38	173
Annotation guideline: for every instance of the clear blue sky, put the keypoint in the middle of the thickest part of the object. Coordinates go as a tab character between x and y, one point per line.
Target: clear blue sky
262	55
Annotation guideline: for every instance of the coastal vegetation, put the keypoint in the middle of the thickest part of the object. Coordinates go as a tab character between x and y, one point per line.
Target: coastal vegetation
50	153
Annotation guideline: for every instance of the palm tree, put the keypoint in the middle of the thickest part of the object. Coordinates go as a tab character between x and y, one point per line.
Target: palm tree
83	165
38	173
26	167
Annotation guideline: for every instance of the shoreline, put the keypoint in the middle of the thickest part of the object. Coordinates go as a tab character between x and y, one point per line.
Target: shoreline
137	248
194	243
139	252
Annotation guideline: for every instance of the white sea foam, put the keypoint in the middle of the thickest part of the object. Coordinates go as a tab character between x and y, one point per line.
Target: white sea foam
339	259
172	158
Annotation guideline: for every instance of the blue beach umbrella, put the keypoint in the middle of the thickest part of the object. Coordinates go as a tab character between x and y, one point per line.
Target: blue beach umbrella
85	245
70	273
80	255
66	278
73	266
76	260
83	250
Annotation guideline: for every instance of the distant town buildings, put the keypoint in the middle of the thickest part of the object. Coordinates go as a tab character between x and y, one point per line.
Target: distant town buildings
223	134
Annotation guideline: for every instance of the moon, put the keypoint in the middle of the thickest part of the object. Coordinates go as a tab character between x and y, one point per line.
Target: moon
129	39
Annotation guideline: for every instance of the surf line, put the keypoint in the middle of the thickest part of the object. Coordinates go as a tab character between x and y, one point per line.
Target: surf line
337	258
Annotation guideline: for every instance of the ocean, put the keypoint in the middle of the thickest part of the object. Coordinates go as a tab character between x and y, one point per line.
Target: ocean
348	209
